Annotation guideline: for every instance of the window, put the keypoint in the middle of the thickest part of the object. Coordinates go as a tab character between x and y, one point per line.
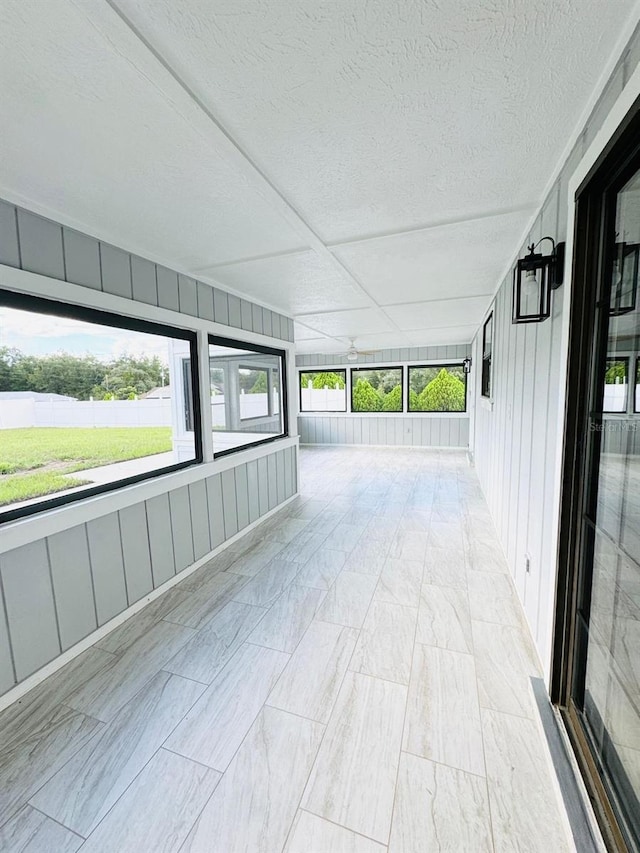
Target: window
247	394
616	385
376	390
636	407
89	401
487	347
323	391
438	388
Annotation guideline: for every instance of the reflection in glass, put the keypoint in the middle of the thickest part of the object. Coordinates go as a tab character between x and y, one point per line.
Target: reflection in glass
246	389
612	678
616	385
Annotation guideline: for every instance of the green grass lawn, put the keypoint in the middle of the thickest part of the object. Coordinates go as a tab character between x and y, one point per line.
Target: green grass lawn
62	450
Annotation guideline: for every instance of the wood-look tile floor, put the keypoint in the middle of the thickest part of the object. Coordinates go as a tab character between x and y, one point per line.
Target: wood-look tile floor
353	676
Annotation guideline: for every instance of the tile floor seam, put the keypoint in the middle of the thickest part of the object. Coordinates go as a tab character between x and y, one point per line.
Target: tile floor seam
161	746
342	826
27	801
327	724
404	719
484	748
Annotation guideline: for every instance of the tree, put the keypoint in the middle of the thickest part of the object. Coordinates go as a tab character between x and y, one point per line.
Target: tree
133	375
365	397
414	401
392	402
388	380
260	385
616	373
9	360
445	393
320	380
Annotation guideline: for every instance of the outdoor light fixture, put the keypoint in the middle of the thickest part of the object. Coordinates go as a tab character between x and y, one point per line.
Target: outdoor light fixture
624	278
466	365
534	277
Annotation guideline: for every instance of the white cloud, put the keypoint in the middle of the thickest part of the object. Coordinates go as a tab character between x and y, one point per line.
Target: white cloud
37	334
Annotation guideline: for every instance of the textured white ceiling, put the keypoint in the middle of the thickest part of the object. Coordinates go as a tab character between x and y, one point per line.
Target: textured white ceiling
301	283
369	168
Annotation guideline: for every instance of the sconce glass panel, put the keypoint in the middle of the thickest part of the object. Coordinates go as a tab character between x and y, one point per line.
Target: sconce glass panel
624	283
531	291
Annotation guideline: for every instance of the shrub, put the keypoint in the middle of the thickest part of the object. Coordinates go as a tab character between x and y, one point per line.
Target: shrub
330	380
414	401
445	393
392	402
365	397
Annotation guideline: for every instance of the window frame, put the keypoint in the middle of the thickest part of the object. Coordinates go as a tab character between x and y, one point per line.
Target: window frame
270	412
234	343
399	367
302	372
438	366
635	384
486	374
98	316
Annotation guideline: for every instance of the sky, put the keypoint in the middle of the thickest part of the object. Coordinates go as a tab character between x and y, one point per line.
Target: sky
42	334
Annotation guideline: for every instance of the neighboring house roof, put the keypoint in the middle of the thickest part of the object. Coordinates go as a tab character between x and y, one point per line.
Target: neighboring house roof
157	393
37	396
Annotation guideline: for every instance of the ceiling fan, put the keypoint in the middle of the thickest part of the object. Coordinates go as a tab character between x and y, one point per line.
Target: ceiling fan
353	352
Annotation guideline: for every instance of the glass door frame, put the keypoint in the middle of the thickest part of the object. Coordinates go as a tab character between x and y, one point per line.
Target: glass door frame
579	477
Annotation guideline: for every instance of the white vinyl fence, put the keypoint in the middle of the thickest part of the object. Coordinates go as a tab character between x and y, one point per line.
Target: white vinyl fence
323	399
18	414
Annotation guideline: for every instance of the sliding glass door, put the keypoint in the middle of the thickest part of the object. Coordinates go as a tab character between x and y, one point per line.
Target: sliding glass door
601	662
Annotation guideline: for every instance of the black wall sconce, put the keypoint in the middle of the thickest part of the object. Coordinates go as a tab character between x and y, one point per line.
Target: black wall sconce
466	365
624	278
534	277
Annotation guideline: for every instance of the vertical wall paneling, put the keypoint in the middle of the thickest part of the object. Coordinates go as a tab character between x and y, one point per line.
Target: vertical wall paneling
82	259
242	496
215	510
280	477
54	592
7	677
275	324
235	317
40	245
181	527
105	552
263	484
246	315
136	552
163	565
220	306
167	289
116	271
271	481
252	488
28	593
187	295
205	301
516	444
405	430
9	247
267	328
288	472
143	280
72	585
256	311
199	518
229	504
